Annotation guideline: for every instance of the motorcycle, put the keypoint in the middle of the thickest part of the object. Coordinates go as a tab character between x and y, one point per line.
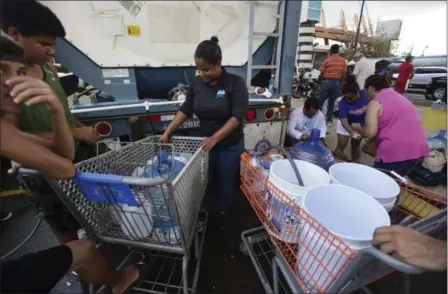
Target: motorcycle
305	84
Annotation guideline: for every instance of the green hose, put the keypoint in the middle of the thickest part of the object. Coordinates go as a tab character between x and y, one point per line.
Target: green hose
293	164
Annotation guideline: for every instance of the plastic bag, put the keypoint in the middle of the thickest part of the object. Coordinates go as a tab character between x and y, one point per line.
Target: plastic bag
435	162
423	177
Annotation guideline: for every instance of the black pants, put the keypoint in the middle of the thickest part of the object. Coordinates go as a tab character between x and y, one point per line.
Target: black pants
400	167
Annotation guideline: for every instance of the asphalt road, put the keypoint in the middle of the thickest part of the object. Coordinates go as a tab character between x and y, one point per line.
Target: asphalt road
418	98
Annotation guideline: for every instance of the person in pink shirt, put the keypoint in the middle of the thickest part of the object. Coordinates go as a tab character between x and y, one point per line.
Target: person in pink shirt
392	121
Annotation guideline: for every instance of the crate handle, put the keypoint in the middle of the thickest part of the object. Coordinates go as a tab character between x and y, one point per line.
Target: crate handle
393	262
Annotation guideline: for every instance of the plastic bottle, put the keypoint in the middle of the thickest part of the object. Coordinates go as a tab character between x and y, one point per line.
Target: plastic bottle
438	142
253	176
265	166
168	167
313	152
271	84
166	228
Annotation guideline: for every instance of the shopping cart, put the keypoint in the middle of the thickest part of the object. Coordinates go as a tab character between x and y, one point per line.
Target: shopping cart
147	196
311	258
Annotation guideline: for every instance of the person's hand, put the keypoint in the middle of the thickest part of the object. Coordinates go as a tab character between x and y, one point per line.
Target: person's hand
14	167
32	91
208	143
304	137
164	138
356	127
87	135
412	247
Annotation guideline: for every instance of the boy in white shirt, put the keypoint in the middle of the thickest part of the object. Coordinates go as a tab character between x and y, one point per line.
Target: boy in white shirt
303	119
364	68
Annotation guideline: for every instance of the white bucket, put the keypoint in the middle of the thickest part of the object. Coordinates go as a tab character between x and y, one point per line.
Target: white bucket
367	179
282	176
348	213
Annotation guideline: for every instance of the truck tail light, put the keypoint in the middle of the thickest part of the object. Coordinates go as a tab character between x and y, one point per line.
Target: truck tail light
251	115
153	118
103	128
269	113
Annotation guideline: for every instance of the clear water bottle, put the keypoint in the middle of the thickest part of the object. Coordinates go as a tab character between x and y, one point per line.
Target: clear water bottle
265	166
271	84
165	226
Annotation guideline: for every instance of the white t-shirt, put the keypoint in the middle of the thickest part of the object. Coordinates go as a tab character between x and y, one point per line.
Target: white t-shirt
364	68
300	124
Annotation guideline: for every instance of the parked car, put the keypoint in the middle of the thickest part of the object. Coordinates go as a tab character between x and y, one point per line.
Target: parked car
422	75
436	89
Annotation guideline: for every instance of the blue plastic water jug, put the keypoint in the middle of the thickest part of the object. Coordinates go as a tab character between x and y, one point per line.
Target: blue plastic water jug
313	152
166	166
438	142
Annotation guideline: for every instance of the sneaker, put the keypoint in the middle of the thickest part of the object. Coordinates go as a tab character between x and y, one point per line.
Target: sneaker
4	216
329	123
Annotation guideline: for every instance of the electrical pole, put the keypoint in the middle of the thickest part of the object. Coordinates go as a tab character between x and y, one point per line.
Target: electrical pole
359	27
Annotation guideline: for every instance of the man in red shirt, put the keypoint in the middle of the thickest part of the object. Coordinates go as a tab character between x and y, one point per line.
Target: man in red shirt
333	71
406	73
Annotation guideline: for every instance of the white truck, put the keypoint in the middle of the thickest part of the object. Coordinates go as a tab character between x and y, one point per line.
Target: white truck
137	55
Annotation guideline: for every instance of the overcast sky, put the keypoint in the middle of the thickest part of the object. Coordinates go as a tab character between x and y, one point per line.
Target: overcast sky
424	22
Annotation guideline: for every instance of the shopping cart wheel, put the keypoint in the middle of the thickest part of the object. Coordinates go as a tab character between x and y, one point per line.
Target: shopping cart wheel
243	249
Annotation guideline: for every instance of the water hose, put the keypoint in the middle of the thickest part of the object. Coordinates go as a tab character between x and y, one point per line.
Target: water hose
40	218
293	164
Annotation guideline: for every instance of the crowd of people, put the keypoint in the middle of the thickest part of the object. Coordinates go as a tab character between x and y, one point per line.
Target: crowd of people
369	109
38	131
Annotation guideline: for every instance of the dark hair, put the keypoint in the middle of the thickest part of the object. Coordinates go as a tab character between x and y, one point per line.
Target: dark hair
377	82
10	51
350	86
311	103
334	48
209	50
31	18
409	58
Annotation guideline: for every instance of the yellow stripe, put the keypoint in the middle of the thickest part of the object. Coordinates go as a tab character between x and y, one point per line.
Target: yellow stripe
14	192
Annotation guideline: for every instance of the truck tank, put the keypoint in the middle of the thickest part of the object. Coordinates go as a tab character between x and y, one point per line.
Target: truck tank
132	50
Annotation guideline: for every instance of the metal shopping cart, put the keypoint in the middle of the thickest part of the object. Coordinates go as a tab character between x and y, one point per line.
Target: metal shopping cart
143	196
311	258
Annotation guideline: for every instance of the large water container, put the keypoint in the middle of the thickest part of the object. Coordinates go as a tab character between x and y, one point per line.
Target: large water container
348	213
313	152
282	176
163	165
438	142
135	221
384	189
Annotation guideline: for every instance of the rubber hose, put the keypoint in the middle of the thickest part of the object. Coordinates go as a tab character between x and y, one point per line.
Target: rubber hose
40	218
294	167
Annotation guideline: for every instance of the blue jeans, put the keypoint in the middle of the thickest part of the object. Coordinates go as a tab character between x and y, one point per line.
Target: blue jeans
226	162
330	90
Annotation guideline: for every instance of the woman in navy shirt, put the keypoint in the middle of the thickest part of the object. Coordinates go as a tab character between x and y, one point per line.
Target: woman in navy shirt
220	100
352	111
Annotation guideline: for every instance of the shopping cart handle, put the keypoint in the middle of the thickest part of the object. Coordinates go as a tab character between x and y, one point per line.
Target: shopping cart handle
393	262
30	172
